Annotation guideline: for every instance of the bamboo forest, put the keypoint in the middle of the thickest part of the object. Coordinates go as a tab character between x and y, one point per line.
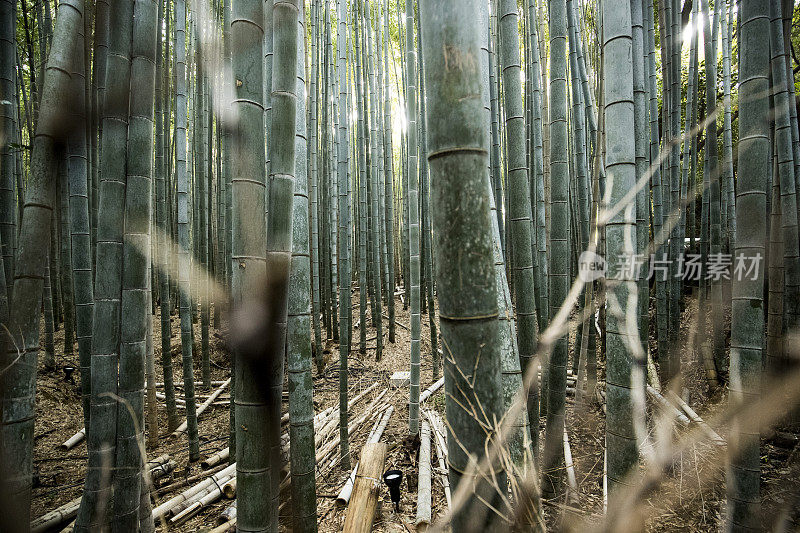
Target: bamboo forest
399	266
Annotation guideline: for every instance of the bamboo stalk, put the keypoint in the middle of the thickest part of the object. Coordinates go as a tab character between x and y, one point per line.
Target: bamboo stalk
427	393
182	428
343	497
229	489
441	450
708	430
217	458
57	516
572	480
666	405
74	440
167	506
191	479
424	485
361	512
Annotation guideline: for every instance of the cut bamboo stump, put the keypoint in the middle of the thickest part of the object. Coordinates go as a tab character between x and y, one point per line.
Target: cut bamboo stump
74	440
182	428
424	484
361	512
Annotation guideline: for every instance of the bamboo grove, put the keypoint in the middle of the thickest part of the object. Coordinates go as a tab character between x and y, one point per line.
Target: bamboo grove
575	203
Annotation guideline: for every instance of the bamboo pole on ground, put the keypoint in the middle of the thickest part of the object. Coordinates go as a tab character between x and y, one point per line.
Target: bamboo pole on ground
182	428
427	393
441	451
424	484
361	512
375	435
667	406
167	506
217	458
708	430
74	440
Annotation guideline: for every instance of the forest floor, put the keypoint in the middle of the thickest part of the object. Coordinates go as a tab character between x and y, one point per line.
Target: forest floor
689	498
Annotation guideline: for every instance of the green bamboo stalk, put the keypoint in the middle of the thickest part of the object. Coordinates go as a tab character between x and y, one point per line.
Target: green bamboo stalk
95	511
183	211
558	273
727	143
747	313
161	179
625	362
298	340
312	161
459	158
519	197
376	157
279	227
136	291
8	95
49	328
362	184
388	176
783	146
413	218
80	237
248	247
345	274
65	272
519	443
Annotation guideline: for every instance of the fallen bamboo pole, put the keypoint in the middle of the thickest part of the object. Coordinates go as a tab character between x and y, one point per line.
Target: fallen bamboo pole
182	428
375	435
667	406
361	512
69	510
217	458
191	479
74	440
424	482
441	451
168	505
708	430
427	393
229	489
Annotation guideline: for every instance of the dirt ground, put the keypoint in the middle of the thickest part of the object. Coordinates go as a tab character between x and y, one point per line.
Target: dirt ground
690	496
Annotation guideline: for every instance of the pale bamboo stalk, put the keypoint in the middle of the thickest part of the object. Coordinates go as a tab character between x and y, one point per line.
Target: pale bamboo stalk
572	480
49	520
427	393
424	485
343	497
165	507
216	459
694	417
182	428
361	513
441	452
667	406
74	440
